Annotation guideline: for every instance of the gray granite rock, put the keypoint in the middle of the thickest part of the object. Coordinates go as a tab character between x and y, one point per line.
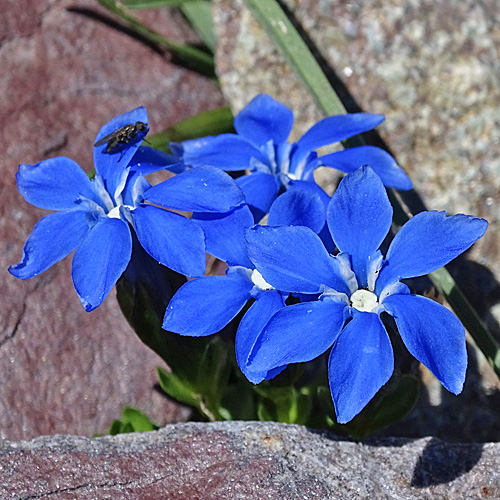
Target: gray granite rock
433	69
246	460
63	75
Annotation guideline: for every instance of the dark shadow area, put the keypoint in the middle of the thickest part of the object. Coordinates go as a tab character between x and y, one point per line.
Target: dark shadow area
468	418
158	49
441	463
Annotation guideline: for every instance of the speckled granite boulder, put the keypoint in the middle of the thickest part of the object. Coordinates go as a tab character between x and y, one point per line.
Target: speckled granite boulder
247	461
433	69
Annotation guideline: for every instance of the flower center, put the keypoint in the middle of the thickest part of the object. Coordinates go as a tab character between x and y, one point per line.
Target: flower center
259	281
364	300
114	213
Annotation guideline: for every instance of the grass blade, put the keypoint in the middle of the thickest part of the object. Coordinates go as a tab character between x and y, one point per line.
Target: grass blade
283	34
217	121
199	15
153	4
197	59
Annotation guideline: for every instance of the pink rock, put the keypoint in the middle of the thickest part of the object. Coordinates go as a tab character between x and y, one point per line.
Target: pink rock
63	76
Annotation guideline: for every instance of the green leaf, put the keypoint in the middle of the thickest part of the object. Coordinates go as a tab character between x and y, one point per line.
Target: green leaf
127	428
144	308
286	38
199	15
395	400
133	420
238	403
212	366
204	383
115	428
284	404
153	4
213	375
266	412
214	122
138	420
139	310
196	59
176	388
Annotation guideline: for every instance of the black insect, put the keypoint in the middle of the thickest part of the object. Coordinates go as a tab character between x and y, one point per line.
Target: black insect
122	137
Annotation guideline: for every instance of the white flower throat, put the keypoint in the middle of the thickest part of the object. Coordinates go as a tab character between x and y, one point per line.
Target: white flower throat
364	300
259	281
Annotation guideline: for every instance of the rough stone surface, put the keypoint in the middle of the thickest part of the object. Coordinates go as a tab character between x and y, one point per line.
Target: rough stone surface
433	69
64	74
246	460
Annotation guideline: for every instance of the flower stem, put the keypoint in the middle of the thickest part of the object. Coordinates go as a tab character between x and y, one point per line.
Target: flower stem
200	60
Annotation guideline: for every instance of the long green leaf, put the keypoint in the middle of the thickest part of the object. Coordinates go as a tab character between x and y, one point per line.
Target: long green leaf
286	38
214	122
283	34
199	15
153	4
197	59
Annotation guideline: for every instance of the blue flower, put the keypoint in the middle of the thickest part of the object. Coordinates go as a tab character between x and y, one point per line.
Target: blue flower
260	145
355	287
206	305
95	217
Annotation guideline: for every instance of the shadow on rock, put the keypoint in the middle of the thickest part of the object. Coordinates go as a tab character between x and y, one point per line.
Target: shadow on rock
442	463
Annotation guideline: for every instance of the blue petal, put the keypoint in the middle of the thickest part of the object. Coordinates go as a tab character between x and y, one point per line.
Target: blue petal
297	334
171	239
255	319
297	207
53	237
337	128
226	151
381	162
54	184
100	260
147	160
293	259
303	162
311	187
206	305
225	235
260	190
112	165
361	362
359	217
264	119
433	335
427	242
202	189
134	188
